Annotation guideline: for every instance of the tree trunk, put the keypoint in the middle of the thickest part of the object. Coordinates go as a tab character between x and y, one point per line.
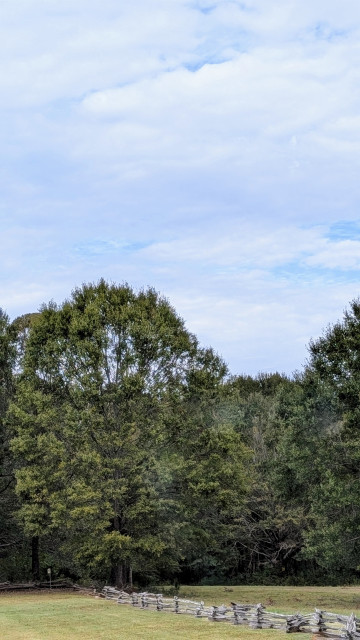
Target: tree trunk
35	562
119	570
119	576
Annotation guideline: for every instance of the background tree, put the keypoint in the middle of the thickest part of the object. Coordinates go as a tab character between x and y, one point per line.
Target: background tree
334	370
212	477
103	376
11	538
134	454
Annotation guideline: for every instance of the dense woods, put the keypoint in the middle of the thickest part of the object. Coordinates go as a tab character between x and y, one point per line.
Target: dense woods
130	454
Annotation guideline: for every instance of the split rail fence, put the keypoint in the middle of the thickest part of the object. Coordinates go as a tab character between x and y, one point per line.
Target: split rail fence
255	616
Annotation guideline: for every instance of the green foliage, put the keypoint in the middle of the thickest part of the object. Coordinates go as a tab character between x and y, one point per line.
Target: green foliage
135	455
335	497
100	402
10	535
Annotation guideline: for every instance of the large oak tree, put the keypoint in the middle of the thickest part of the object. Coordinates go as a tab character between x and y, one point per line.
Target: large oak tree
99	407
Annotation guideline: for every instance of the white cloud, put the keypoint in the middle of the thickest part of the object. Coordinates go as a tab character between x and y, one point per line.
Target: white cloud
240	246
264	324
343	255
222	141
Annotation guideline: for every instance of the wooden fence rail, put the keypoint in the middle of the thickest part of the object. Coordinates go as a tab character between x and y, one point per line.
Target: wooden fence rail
321	623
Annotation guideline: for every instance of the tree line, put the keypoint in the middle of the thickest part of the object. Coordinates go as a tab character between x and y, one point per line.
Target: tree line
130	455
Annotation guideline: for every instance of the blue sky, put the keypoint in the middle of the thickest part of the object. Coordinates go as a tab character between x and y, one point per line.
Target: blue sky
207	149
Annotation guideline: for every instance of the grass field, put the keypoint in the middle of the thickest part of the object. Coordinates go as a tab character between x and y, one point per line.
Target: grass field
67	616
75	617
281	599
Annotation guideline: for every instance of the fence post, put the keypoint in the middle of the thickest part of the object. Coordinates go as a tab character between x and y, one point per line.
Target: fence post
134	599
293	623
256	618
159	602
235	611
176	604
214	612
319	621
350	628
242	613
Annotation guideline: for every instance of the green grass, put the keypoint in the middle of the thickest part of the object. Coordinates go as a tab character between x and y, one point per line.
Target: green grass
57	616
281	599
67	616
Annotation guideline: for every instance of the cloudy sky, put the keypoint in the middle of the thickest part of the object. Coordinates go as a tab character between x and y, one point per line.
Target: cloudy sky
208	148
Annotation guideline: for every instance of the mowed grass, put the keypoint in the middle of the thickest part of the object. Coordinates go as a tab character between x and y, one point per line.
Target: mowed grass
68	616
57	616
281	599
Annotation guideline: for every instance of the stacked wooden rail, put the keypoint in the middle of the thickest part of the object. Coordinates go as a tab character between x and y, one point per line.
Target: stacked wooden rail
156	601
22	586
255	616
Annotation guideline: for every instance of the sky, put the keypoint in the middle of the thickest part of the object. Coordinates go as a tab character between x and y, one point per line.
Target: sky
206	148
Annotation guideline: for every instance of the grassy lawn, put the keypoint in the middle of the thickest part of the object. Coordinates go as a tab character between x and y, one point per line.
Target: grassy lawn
67	616
282	599
57	616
